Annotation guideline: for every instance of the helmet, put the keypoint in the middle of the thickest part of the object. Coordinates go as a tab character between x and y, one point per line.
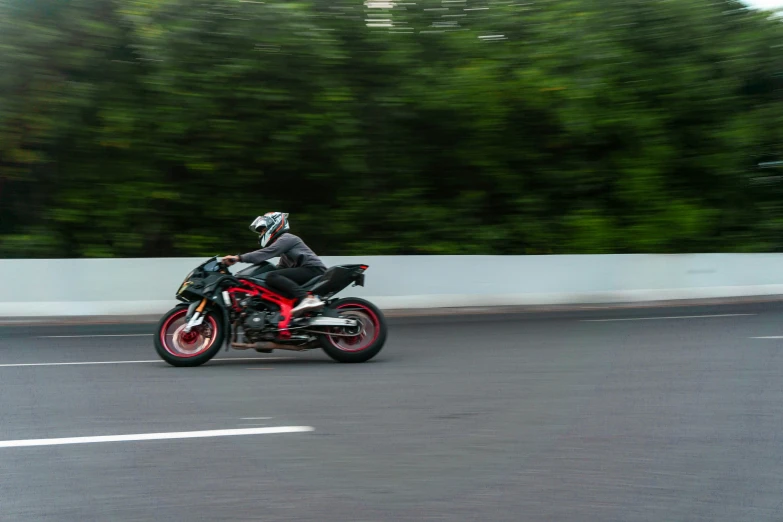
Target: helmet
269	227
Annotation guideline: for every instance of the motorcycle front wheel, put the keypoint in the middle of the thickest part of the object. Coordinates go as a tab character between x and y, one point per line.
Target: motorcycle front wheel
359	344
194	348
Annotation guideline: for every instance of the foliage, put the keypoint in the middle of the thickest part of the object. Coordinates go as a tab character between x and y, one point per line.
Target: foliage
162	127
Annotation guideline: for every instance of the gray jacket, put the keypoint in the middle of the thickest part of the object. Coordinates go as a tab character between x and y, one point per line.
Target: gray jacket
292	251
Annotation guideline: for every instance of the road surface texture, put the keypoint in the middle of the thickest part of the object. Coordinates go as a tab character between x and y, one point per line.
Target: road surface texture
665	414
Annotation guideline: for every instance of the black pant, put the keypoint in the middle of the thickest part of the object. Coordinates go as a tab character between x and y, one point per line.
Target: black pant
287	280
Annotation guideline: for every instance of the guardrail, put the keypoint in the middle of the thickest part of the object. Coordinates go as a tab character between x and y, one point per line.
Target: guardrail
79	287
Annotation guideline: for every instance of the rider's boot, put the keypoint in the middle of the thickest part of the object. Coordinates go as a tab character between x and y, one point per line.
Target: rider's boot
308	304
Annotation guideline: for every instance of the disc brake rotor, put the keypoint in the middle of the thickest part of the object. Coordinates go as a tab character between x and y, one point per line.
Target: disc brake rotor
189	342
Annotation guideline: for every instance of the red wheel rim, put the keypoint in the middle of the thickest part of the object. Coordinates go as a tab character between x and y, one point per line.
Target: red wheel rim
369	329
183	344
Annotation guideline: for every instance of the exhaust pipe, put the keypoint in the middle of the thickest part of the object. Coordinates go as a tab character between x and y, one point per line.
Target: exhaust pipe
268	346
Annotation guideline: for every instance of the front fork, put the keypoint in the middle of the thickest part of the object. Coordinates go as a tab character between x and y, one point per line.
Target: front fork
197	317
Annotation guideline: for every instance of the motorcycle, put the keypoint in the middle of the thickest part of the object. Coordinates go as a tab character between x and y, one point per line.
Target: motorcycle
242	312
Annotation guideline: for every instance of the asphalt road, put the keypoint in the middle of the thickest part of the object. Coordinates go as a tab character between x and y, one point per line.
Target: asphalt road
529	417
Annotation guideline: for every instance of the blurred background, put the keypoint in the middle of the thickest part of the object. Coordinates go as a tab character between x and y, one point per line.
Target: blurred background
157	128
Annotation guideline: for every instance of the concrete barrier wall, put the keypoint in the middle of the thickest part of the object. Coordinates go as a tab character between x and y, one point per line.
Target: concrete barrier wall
74	287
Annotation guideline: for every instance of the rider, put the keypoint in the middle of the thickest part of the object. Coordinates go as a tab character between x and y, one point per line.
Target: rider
298	264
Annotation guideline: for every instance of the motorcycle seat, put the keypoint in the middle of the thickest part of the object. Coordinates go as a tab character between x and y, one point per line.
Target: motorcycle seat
311	283
327	278
262	281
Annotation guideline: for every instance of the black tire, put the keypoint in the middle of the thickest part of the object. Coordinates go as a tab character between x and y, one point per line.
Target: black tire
341	348
167	347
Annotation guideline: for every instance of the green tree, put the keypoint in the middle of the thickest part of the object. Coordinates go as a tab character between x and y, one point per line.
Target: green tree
161	127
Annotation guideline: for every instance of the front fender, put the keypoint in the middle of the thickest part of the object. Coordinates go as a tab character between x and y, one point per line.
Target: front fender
191	309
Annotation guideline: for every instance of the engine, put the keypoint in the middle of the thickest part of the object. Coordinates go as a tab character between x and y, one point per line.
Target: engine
254	325
259	325
256	320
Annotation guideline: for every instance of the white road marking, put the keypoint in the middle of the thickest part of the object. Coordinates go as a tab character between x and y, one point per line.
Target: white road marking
255	418
154	436
661	318
85	363
769	337
82	336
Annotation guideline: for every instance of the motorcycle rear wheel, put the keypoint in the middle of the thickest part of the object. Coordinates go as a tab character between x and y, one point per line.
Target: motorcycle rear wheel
179	348
370	335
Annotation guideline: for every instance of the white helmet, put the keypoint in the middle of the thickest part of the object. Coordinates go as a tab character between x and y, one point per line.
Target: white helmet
270	226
